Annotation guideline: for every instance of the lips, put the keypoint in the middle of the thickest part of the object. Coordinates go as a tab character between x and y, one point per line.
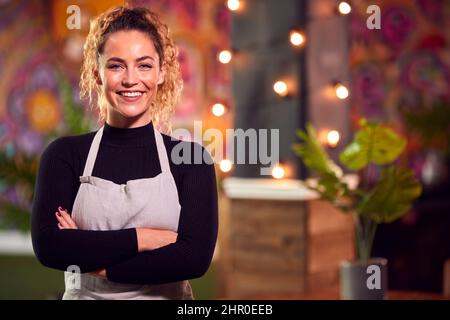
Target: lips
130	93
130	96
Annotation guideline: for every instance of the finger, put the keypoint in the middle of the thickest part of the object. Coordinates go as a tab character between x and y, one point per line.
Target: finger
66	223
62	221
68	218
72	222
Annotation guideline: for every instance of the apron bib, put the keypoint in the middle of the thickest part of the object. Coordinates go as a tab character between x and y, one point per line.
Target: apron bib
104	205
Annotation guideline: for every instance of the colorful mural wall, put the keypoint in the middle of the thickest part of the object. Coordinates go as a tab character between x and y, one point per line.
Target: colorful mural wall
401	73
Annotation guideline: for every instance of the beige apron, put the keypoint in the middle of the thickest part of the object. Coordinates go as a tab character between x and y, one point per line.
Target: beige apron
104	205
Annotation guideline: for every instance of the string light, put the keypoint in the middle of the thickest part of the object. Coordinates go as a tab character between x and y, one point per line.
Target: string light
280	87
341	91
224	56
333	138
344	8
225	165
278	171
233	5
296	38
218	109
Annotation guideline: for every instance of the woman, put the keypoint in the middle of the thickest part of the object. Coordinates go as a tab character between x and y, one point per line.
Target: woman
137	225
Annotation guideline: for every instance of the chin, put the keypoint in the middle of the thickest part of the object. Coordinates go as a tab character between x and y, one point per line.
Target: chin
131	111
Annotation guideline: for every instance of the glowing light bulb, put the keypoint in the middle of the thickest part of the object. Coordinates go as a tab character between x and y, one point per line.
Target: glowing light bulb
344	8
296	38
341	91
280	87
333	138
233	5
278	172
225	165
224	56
218	109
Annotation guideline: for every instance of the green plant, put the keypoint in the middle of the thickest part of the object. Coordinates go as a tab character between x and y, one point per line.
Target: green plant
18	171
384	193
432	124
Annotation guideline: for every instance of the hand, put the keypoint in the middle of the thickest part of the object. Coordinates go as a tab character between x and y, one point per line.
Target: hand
65	221
151	239
99	273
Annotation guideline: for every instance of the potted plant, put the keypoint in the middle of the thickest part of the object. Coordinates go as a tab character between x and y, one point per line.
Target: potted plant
384	193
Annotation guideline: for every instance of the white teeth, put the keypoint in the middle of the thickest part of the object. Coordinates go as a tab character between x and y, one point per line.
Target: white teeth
131	94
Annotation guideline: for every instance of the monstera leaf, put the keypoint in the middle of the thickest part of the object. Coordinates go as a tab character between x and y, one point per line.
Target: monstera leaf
329	185
313	154
388	200
335	190
392	196
372	143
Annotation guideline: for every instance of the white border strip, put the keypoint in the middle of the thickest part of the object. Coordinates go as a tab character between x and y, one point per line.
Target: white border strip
15	243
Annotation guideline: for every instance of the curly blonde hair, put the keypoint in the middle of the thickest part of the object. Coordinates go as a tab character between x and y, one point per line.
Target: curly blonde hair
140	19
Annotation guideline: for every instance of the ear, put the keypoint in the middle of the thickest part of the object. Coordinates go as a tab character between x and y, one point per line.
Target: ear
162	75
98	79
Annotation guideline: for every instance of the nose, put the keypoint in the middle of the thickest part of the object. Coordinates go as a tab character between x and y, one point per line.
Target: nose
130	78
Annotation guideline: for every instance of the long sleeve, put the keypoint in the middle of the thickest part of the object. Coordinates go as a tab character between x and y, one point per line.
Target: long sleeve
55	248
192	253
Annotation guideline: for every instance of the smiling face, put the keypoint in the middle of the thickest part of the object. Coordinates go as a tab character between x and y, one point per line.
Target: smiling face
129	74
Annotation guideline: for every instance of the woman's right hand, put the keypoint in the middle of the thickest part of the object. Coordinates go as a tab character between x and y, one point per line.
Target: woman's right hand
151	239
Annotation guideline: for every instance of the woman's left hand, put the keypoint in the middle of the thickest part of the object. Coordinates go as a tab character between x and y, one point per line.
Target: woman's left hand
65	221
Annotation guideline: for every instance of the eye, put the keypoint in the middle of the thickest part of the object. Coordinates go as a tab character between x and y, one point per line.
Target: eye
145	66
114	66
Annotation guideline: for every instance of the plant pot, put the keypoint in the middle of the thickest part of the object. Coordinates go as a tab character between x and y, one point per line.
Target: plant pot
364	280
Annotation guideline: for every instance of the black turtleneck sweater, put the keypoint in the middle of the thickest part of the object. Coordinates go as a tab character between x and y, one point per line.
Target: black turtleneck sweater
124	154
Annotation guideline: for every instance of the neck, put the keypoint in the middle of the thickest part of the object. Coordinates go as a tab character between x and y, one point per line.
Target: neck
116	120
127	124
129	136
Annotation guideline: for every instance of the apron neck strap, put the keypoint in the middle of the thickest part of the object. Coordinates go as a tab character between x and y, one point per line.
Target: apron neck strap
162	154
89	166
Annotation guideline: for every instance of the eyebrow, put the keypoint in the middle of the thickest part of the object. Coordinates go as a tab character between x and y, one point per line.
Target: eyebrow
137	60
